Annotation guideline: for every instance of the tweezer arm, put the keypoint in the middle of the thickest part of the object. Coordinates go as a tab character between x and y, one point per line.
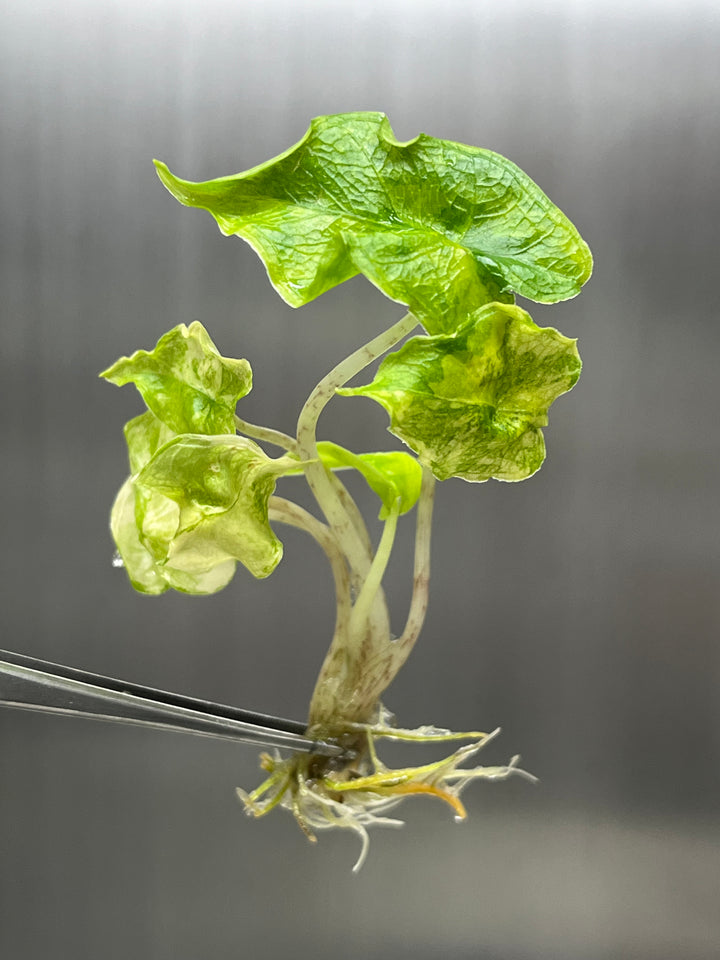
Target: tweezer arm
32	684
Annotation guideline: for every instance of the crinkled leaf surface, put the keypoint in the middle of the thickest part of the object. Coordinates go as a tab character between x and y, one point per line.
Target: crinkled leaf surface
145	574
219	487
144	436
472	405
436	225
142	570
392	475
185	382
144	523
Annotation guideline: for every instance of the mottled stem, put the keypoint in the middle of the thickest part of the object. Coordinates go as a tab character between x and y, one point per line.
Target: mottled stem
347	525
266	434
421	572
351	508
317	475
356	673
371	584
285	511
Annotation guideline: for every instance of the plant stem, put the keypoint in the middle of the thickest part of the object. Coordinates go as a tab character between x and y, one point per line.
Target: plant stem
357	671
285	511
421	572
346	523
351	508
266	434
371	585
317	476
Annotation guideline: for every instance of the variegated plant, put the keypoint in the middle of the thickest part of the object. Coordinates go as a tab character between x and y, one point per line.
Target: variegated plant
453	233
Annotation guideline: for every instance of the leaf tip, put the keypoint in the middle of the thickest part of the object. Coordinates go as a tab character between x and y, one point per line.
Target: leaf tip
162	170
110	373
171	183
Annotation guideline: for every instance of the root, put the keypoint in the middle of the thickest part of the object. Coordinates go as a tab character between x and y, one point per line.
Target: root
359	795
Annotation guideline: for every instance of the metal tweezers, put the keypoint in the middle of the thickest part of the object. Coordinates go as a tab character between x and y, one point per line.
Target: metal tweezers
32	684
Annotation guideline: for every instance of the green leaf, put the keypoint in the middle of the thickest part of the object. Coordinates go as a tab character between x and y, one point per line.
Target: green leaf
144	436
392	475
185	382
146	575
436	225
142	570
472	405
220	487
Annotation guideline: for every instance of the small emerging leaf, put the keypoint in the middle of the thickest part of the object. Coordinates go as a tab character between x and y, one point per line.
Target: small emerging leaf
436	225
472	405
185	382
392	475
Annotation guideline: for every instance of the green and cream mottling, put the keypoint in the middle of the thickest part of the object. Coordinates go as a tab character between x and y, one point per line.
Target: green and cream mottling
185	382
144	435
143	528
198	505
439	226
221	486
196	502
472	405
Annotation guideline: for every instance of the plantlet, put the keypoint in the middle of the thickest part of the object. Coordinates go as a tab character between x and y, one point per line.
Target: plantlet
453	233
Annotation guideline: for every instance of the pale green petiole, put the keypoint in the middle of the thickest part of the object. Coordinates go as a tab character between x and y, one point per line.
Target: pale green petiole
359	668
371	585
267	435
421	571
323	489
285	511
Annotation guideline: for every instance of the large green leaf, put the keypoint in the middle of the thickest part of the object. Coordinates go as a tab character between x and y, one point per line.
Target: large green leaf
220	486
436	225
472	405
185	382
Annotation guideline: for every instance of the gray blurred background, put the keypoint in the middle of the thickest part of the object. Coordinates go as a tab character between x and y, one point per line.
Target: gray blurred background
579	610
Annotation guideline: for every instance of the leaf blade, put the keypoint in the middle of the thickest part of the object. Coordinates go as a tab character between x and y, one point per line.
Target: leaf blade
394	475
439	226
221	486
144	572
185	381
472	405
